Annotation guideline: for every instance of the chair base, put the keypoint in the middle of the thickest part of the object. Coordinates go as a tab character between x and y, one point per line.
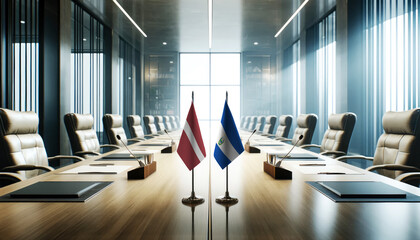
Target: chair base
277	172
142	172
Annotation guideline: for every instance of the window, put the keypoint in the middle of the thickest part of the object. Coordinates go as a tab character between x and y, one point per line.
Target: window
291	83
210	76
23	55
392	60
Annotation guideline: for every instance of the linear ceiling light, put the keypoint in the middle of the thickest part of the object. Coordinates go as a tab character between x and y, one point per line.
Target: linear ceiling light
129	18
210	22
291	18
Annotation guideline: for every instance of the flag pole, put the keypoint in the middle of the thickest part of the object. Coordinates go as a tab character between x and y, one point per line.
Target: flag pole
227	199
193	199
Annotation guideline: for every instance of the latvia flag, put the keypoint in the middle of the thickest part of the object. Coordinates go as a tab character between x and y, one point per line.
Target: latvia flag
191	147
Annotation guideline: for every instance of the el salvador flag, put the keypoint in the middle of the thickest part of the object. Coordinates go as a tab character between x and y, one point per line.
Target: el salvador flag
229	145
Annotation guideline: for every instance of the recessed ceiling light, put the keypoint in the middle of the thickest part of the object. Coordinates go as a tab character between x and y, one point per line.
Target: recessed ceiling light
165	43
84	39
255	43
249	62
171	62
22	22
291	18
129	18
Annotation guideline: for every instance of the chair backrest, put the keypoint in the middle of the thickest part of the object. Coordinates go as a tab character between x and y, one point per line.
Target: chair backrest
337	137
260	123
134	126
177	122
306	124
81	134
242	122
167	123
159	123
113	126
173	122
285	123
253	123
149	124
20	142
247	122
400	143
270	123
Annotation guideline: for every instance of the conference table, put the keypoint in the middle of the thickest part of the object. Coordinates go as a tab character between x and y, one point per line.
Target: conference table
151	208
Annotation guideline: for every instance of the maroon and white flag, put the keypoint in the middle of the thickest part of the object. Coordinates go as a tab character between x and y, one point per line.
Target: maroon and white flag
191	147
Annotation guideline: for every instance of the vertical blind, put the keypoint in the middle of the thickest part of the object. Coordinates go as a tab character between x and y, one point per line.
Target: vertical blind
392	60
23	55
87	66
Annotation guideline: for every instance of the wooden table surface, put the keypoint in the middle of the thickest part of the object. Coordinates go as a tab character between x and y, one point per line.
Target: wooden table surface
152	208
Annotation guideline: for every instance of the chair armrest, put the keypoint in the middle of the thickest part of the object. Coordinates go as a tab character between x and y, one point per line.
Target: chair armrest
59	157
284	139
394	167
310	145
110	146
83	153
17	168
10	177
336	153
407	177
343	158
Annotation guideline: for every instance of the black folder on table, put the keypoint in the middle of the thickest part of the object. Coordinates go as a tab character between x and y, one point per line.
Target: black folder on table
367	189
72	191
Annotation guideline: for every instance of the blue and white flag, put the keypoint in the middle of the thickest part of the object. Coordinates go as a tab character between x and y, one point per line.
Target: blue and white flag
229	145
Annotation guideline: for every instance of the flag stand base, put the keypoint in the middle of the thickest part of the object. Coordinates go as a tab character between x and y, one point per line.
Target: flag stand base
226	200
193	200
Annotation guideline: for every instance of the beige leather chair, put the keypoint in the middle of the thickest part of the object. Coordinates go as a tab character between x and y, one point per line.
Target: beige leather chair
177	122
306	124
173	122
260	123
22	148
113	126
167	123
159	123
337	138
242	122
285	123
398	148
134	126
247	122
83	139
252	124
270	123
149	124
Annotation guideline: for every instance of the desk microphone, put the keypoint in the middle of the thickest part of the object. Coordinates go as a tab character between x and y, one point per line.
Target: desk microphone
134	156
287	155
251	135
166	131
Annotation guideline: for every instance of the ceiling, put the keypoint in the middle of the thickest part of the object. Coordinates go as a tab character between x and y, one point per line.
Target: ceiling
183	24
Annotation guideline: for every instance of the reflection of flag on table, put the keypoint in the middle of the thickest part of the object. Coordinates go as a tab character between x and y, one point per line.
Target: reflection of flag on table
191	147
229	145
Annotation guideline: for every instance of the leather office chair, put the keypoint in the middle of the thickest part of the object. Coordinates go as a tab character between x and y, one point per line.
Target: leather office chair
134	126
270	123
22	151
285	123
260	123
242	122
173	122
149	125
306	124
177	122
167	123
159	123
253	123
398	148
113	126
337	138
82	136
247	122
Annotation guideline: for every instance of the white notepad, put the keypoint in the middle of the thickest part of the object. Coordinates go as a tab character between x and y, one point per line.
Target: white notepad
327	170
105	169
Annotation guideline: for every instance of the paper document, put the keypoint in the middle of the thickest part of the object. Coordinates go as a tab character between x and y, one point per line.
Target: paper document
326	170
105	169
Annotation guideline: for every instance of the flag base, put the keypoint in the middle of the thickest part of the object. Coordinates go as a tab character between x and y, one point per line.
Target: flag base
193	200
226	200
